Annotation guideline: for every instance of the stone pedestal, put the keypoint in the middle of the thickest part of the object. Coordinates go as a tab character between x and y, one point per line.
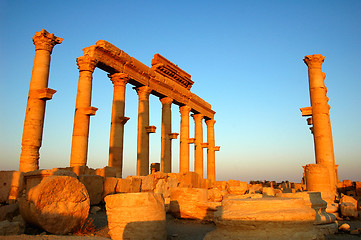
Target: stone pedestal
320	117
184	139
39	93
117	122
143	135
198	142
83	111
136	216
211	158
166	141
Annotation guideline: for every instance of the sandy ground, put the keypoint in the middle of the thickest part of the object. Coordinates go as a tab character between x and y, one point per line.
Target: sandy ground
178	229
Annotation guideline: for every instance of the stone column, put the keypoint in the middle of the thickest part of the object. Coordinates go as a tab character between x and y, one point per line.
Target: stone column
38	94
184	139
198	144
143	136
166	141
211	156
320	116
83	111
117	122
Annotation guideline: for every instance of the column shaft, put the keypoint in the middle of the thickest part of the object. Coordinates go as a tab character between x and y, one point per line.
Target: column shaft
166	141
184	139
211	158
83	110
117	122
320	115
35	109
198	148
143	136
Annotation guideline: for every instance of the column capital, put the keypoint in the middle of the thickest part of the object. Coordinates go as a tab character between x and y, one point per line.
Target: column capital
45	41
198	117
210	122
314	61
143	92
166	100
86	63
184	110
119	79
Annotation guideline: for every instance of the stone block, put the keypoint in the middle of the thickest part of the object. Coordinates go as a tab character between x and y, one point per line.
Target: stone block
136	216
94	186
348	209
110	184
215	195
7	212
236	187
148	183
221	185
136	184
358	188
106	172
6	178
59	204
190	180
162	187
268	191
10	228
124	185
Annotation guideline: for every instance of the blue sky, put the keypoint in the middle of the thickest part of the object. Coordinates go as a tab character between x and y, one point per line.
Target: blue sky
245	57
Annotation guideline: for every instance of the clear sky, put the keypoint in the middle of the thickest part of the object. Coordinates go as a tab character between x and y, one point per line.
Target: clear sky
245	57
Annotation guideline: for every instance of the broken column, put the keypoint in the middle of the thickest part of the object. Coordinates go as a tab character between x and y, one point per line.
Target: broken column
198	144
117	122
184	139
320	116
39	93
83	111
143	134
166	140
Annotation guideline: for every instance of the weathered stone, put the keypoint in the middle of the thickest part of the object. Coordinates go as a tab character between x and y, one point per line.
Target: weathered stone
358	188
110	184
355	232
124	185
94	209
221	185
266	218
7	212
190	180
59	204
344	227
147	183
348	210
136	216
106	172
10	228
268	191
136	184
215	195
6	178
94	185
237	187
191	203
162	187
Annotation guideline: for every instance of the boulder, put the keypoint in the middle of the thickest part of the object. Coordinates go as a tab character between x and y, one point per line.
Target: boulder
136	216
58	204
348	206
94	185
268	191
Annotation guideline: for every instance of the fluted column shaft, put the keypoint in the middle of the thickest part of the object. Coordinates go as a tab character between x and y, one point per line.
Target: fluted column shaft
320	115
184	139
83	110
143	136
38	94
117	122
198	141
211	158
166	141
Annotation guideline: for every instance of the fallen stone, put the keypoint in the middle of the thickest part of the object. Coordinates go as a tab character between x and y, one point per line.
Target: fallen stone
221	185
123	185
7	212
358	188
215	195
110	184
268	191
344	228
190	180
10	228
348	209
236	187
59	204
106	172
94	185
136	216
148	183
136	184
355	232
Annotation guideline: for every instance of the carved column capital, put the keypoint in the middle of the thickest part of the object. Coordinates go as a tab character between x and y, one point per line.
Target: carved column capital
184	110
143	92
314	61
210	122
119	79
45	41
198	117
166	100
86	63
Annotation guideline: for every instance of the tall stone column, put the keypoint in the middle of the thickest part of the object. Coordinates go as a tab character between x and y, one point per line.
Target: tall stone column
184	139
38	94
166	140
211	158
320	116
117	122
198	144
83	111
143	136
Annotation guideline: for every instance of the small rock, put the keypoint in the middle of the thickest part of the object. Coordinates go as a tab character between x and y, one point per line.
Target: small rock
355	232
344	228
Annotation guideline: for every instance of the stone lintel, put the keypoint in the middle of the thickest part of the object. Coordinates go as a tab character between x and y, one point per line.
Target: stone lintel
166	68
216	148
306	111
150	129
204	145
43	94
90	111
173	135
191	140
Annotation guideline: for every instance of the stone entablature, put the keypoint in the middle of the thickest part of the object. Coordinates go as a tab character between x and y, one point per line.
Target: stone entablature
113	60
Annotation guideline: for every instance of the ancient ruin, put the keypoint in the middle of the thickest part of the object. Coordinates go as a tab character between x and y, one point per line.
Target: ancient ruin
63	200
